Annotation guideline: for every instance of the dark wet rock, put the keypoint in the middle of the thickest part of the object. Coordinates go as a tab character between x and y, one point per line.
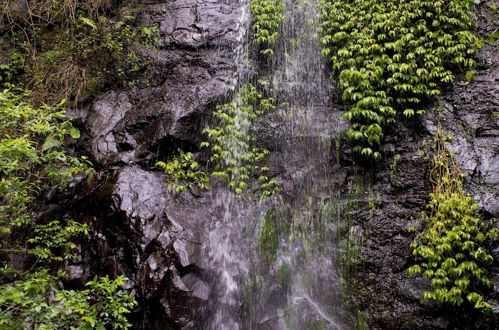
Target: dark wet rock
470	114
179	89
196	23
156	239
390	298
140	230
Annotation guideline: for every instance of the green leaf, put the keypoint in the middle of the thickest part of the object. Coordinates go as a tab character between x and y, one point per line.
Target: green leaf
470	76
50	142
88	22
74	132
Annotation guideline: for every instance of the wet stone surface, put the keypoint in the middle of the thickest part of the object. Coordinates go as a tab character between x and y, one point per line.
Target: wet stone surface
156	239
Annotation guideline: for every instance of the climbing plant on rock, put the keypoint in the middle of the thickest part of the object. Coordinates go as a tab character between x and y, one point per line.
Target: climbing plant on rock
183	172
452	251
393	56
233	154
232	143
268	16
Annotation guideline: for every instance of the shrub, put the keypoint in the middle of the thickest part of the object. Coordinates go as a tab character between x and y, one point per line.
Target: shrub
32	155
32	159
37	303
74	48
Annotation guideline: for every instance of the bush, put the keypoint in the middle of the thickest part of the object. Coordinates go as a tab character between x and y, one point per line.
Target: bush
32	159
32	155
74	48
37	303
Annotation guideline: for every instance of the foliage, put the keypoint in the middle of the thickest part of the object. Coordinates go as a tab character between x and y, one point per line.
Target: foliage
183	168
76	47
268	15
451	251
231	142
11	69
32	156
37	303
392	56
232	153
32	160
52	241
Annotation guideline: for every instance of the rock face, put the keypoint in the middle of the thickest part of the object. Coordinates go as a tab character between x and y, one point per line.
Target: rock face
140	230
155	239
191	73
390	298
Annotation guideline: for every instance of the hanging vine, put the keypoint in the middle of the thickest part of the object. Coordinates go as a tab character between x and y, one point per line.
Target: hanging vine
233	154
392	57
452	250
268	17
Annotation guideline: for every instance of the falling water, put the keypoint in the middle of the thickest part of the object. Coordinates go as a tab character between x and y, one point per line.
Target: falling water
276	263
230	216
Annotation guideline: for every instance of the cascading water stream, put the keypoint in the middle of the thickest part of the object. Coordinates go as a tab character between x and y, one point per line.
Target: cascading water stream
276	263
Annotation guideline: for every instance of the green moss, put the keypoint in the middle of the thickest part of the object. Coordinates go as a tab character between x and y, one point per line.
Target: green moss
314	325
361	321
275	227
284	273
268	242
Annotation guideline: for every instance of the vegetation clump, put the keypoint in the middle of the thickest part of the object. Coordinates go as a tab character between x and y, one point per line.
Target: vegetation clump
62	50
268	16
183	172
32	160
33	157
393	56
231	142
74	48
36	302
452	250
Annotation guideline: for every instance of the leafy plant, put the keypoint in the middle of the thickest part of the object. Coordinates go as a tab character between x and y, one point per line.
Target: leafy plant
231	142
452	251
268	16
52	241
29	303
183	168
32	156
233	155
11	69
33	159
393	56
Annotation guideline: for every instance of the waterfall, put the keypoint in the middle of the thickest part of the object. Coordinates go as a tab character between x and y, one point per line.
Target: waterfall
276	263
